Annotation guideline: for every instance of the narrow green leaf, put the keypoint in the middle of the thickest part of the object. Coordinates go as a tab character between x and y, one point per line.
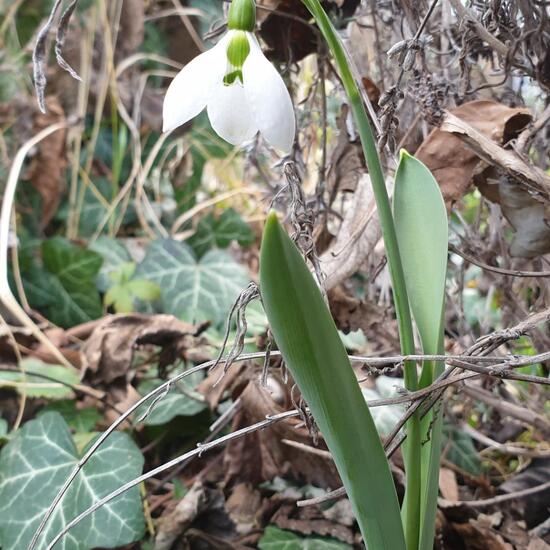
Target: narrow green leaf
314	353
401	302
422	232
423	236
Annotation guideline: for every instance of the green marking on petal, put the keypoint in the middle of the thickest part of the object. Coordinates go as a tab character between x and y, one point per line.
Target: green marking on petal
230	78
237	52
238	49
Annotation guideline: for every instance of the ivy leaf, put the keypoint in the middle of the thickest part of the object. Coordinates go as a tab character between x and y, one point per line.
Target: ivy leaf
279	539
3	428
64	289
120	298
205	145
193	290
125	291
220	232
71	264
460	450
79	420
36	386
33	467
114	254
144	290
63	306
174	403
387	416
95	205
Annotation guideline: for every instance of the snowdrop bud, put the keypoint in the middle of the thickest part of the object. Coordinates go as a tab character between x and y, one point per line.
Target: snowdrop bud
242	15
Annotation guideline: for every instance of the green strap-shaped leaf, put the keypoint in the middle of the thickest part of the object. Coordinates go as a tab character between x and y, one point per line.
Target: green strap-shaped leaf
313	351
423	236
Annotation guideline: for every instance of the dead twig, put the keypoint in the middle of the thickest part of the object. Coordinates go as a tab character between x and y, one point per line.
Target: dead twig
510	272
496	500
39	52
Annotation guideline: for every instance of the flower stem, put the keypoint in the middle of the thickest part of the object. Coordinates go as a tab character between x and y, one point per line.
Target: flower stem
412	456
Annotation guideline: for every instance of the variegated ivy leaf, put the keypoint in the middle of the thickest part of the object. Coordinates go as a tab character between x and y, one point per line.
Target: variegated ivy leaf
193	290
33	467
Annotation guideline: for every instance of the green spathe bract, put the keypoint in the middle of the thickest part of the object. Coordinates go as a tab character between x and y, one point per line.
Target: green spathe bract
311	347
242	15
422	231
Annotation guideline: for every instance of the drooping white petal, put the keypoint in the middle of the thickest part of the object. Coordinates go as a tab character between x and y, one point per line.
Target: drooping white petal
269	98
189	92
230	114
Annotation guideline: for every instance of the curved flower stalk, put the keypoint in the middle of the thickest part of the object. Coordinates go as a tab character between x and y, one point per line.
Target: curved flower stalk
242	91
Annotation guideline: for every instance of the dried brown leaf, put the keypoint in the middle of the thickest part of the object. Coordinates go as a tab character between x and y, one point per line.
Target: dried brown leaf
528	216
308	521
479	536
173	524
448	485
108	353
242	506
451	161
347	164
260	456
47	171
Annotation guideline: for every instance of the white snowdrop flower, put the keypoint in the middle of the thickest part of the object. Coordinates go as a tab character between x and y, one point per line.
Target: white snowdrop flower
242	92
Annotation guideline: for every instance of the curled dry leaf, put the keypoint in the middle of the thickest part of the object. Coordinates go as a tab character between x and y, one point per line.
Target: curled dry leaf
108	353
501	176
47	171
242	506
261	456
347	163
174	523
448	484
132	28
477	535
528	216
352	314
451	161
310	521
356	239
215	386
